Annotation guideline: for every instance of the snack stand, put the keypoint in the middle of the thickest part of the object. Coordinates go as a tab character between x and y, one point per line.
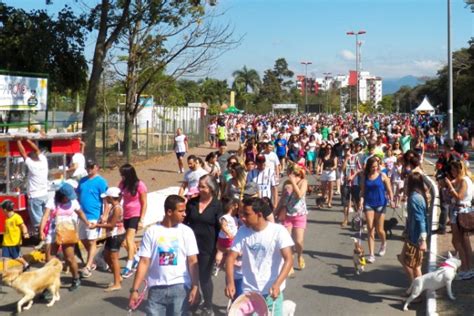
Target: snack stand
13	172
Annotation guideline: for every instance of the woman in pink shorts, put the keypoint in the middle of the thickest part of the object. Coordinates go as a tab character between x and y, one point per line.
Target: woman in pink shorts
292	211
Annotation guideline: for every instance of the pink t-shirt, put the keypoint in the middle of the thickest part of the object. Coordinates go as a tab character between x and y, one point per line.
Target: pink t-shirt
131	204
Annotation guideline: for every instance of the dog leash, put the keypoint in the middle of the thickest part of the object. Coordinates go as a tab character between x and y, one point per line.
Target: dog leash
141	297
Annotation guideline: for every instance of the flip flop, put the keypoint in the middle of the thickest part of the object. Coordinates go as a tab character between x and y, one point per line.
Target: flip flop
112	289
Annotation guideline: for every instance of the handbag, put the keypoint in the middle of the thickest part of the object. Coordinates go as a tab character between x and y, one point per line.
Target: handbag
466	221
66	232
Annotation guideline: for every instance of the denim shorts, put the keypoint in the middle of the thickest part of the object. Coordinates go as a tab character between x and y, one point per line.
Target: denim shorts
36	208
377	209
167	300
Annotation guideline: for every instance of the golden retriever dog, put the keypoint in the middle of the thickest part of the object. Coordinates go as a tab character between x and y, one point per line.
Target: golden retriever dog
34	282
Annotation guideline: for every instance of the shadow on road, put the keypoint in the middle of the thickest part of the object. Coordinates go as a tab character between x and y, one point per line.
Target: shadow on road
357	295
335	255
312	221
162	170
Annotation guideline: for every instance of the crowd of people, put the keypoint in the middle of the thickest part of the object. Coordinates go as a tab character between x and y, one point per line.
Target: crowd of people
245	210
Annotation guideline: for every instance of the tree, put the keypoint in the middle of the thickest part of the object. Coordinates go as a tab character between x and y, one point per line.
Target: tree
173	36
281	71
190	90
109	19
271	90
386	105
34	42
245	79
214	91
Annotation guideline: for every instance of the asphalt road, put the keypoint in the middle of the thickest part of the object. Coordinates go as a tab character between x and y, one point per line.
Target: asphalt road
328	285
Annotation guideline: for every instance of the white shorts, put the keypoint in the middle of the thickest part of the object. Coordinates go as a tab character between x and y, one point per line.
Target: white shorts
328	175
88	234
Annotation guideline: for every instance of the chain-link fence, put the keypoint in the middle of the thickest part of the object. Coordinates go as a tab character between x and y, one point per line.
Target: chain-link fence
148	138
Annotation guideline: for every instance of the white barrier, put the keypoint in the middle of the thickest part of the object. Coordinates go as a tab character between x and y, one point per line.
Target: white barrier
156	205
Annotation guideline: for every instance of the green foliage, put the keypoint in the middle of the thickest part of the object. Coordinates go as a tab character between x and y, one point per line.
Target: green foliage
34	42
245	79
387	105
436	89
214	91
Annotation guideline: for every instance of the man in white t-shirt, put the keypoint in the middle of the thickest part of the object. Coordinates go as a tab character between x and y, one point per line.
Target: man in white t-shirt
168	261
37	166
265	178
77	168
266	255
191	177
180	148
271	159
212	129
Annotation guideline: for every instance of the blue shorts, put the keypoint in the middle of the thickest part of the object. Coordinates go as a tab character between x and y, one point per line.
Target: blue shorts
180	155
377	209
11	252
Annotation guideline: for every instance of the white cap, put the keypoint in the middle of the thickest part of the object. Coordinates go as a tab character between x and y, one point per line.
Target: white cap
112	192
72	182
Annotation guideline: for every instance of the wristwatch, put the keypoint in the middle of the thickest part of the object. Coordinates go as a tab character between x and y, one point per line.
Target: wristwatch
132	290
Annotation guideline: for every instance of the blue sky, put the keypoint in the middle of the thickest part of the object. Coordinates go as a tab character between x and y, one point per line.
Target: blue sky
404	37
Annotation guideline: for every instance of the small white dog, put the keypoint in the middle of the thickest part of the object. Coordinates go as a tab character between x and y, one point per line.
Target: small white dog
435	280
289	308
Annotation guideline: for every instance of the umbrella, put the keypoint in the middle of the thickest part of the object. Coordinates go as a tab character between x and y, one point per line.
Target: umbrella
232	110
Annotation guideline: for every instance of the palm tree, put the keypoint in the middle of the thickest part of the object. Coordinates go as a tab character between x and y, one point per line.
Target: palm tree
245	79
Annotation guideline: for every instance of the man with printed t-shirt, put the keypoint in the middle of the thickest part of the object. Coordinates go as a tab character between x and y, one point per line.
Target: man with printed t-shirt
266	255
168	260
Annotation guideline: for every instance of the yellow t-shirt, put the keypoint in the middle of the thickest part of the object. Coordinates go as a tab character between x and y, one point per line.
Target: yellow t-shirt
12	235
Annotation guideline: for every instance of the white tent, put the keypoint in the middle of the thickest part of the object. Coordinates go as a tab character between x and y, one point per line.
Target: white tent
425	107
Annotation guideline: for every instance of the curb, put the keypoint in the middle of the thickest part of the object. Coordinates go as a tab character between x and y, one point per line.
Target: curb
431	304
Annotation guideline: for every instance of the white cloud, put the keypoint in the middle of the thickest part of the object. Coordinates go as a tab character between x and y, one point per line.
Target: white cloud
428	65
347	55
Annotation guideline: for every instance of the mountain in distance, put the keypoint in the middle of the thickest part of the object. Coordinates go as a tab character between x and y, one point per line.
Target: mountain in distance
392	85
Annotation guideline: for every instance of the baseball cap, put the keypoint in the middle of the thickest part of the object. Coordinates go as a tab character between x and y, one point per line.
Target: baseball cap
7	205
68	191
111	192
91	163
260	158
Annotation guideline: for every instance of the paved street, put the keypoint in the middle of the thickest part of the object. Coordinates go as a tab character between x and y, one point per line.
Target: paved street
327	285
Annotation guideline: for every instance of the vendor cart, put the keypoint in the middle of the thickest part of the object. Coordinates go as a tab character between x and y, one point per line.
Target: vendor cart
57	148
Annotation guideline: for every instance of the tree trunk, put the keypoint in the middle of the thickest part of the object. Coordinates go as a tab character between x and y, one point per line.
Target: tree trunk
102	45
89	120
128	136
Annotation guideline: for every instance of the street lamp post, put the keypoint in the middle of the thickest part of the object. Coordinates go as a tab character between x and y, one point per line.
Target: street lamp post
450	78
306	63
326	76
356	34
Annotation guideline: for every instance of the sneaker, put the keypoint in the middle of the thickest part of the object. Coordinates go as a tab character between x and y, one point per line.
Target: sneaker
371	259
207	311
126	273
382	250
135	265
75	284
215	270
85	273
